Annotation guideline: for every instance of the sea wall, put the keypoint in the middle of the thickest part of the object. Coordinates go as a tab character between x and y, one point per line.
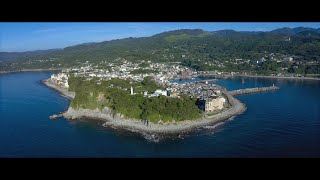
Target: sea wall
258	76
62	91
252	90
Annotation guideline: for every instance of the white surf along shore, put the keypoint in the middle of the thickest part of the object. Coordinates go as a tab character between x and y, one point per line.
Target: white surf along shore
117	121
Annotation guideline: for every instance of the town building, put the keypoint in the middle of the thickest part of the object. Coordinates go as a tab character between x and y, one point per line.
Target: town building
211	104
159	92
145	93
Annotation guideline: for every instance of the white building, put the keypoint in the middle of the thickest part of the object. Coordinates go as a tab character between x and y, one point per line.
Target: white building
65	84
160	92
145	93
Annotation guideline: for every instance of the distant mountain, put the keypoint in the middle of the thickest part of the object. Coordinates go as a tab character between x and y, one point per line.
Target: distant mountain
293	31
186	45
81	45
226	32
11	56
192	32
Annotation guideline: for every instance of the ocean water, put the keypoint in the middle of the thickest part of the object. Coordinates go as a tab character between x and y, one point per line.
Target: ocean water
283	123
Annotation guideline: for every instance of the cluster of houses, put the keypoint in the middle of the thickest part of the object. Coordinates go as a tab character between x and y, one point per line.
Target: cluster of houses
60	79
209	96
162	72
196	89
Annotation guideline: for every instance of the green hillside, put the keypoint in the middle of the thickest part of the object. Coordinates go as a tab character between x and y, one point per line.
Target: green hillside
193	48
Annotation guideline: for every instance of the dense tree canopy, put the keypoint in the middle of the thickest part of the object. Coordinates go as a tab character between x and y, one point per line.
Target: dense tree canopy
90	95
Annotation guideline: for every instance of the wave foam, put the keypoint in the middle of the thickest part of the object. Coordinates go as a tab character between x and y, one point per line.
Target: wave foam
232	118
219	124
151	137
213	126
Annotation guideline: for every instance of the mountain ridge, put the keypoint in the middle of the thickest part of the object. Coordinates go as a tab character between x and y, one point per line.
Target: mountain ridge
190	45
278	30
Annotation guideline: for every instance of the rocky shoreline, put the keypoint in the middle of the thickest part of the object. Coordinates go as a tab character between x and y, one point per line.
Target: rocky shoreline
64	92
171	128
135	125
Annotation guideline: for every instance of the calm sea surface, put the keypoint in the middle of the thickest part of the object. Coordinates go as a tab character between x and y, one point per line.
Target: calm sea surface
283	123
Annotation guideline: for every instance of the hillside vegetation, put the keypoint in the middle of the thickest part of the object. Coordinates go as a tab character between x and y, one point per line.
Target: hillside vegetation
195	48
115	94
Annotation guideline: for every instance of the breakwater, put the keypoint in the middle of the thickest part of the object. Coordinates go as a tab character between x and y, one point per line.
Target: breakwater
252	90
207	80
64	92
225	76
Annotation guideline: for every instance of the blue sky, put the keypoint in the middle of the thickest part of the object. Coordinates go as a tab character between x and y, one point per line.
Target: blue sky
17	37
